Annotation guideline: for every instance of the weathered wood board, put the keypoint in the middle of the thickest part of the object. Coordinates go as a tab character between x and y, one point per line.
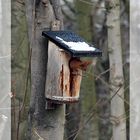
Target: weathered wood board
62	82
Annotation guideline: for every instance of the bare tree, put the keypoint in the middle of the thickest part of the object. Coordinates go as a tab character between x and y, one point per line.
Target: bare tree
43	124
116	70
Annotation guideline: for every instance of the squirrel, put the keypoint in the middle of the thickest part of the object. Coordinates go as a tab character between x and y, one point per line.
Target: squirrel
76	63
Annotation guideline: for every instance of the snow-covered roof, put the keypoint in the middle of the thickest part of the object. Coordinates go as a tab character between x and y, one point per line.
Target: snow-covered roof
72	43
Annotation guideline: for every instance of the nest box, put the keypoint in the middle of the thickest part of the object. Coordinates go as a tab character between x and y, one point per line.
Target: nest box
64	66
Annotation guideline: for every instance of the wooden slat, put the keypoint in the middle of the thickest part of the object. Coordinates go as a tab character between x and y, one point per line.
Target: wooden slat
57	80
62	82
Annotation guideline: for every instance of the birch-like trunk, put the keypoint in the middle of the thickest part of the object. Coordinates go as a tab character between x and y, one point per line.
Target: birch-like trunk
116	70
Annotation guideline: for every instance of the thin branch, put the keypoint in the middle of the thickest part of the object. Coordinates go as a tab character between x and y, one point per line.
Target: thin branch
19	115
57	9
26	83
21	2
108	86
102	73
93	112
69	6
89	116
67	16
116	92
37	134
87	2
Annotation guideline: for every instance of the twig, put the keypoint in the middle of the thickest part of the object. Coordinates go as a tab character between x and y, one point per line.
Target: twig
102	73
35	132
87	2
69	6
90	115
67	16
26	82
19	113
115	93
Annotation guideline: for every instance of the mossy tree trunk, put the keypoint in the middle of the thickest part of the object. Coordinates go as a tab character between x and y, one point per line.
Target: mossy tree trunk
20	71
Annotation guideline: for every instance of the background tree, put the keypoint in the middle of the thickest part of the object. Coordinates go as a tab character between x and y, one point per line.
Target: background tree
5	70
118	115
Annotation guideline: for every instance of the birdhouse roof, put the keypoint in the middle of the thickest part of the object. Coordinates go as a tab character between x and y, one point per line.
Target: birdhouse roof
72	43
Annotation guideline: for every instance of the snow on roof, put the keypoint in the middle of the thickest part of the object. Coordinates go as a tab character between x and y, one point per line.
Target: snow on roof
77	46
73	44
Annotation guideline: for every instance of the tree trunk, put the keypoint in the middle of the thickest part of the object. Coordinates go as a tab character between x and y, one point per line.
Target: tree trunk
20	71
101	82
116	70
43	124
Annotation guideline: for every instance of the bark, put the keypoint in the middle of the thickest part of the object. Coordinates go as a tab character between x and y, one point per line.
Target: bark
134	70
126	55
103	108
43	124
116	70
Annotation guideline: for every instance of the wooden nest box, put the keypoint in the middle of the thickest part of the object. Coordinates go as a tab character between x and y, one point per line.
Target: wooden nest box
64	67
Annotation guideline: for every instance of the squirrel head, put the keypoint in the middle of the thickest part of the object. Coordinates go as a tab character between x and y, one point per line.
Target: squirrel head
76	63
